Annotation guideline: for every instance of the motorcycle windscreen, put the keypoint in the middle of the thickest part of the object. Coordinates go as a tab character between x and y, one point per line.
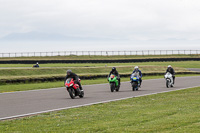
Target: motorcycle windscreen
68	80
112	76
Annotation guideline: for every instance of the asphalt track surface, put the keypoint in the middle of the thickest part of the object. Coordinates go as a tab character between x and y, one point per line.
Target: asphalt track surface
24	103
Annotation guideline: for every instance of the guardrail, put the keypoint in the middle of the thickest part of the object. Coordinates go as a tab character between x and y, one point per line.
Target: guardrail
100	53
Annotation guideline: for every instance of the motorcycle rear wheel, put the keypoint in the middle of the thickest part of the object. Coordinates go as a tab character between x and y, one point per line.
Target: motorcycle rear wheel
117	89
82	94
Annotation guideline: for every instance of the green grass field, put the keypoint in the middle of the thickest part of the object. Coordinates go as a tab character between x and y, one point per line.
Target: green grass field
73	57
183	64
171	112
49	70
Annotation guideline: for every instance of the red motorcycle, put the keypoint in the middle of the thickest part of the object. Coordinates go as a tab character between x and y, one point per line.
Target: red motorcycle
73	88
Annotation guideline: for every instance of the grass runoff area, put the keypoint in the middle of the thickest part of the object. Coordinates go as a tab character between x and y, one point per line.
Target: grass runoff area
93	57
176	111
183	64
49	70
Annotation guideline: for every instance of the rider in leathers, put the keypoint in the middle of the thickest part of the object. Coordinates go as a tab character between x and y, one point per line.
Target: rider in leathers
70	74
136	70
115	72
171	70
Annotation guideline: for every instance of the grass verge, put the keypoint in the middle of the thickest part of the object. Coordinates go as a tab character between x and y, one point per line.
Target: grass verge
47	85
176	111
42	73
183	64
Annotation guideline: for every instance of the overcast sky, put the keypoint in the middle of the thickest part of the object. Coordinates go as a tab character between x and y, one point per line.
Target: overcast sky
27	25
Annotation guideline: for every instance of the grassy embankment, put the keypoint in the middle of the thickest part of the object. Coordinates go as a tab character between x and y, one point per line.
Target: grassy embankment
167	112
49	72
89	69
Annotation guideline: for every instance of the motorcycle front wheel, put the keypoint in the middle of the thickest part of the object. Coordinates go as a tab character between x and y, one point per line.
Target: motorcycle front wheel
134	86
167	83
72	93
112	87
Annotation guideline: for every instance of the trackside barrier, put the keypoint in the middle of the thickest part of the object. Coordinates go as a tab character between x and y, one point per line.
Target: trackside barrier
100	53
97	61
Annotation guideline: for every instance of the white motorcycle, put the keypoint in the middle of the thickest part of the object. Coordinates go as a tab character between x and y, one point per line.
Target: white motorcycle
169	80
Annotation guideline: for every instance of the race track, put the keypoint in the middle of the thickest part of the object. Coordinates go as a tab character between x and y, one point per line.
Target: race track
17	104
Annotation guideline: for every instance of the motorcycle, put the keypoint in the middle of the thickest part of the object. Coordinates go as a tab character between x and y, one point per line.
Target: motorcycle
135	82
73	88
114	83
169	80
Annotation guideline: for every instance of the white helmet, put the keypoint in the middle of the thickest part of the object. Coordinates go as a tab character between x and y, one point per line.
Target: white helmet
169	66
136	67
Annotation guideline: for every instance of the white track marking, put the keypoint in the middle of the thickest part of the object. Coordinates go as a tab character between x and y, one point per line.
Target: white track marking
46	111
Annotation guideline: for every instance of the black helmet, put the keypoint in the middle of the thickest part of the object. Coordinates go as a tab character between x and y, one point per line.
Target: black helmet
114	69
69	72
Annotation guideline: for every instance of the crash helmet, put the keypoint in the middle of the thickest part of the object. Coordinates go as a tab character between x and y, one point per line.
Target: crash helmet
69	72
114	69
169	66
136	68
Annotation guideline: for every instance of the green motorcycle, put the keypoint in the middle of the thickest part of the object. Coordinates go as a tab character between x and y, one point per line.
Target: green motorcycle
114	83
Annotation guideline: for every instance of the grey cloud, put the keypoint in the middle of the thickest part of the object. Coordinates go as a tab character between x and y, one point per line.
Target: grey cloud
114	19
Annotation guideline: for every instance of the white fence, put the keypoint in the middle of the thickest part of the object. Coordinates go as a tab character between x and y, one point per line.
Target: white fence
101	53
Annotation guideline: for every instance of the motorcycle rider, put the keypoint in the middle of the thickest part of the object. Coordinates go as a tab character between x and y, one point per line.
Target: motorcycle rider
36	65
70	74
138	72
171	70
115	72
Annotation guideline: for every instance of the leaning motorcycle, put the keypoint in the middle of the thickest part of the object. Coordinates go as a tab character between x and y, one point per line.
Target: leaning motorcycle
114	83
73	89
135	82
169	80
